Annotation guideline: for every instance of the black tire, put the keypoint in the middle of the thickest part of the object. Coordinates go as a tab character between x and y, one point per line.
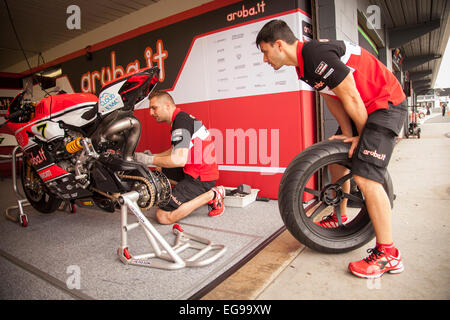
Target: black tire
294	211
35	190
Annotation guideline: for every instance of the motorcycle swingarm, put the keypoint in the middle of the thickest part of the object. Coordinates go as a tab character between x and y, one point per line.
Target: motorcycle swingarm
106	169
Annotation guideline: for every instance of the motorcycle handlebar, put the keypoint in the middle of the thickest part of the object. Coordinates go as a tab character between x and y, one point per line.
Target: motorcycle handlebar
16	114
27	108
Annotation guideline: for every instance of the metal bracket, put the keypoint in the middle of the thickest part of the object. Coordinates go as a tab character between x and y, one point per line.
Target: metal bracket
167	257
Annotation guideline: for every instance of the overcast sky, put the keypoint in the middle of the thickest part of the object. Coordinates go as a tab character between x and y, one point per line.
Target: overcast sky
443	77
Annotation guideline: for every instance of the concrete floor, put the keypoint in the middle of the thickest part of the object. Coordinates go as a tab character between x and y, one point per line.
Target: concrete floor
37	262
285	269
420	169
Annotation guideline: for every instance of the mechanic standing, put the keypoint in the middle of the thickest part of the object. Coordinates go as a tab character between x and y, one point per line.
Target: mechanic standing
369	104
190	163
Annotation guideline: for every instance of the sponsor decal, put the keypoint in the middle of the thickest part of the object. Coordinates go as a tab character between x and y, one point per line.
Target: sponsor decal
108	100
319	85
244	12
45	174
52	172
328	73
177	135
178	202
89	80
141	262
374	154
39	158
321	68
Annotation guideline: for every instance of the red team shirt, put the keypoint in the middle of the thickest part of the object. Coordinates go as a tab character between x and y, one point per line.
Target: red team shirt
188	132
324	64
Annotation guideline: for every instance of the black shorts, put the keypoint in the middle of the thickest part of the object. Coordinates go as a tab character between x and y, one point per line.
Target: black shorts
187	188
376	143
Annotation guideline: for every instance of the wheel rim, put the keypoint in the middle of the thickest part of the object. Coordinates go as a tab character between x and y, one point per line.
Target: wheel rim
317	201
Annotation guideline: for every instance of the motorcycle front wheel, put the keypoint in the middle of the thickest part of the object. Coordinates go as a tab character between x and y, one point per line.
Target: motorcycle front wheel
307	195
35	190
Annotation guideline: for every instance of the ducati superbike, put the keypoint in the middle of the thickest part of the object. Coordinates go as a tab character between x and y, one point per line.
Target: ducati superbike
80	146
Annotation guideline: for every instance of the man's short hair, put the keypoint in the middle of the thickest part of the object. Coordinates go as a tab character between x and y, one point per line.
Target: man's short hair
275	30
163	94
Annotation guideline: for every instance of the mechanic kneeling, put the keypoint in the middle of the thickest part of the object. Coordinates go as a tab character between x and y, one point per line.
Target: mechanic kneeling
192	174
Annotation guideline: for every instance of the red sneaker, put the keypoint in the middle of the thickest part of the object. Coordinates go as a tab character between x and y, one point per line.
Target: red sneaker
376	264
216	204
330	221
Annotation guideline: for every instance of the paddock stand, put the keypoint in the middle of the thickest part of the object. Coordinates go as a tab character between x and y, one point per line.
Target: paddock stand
21	200
167	257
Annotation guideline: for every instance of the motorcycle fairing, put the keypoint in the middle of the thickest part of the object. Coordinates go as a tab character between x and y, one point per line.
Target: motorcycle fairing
52	172
43	130
62	183
127	91
66	108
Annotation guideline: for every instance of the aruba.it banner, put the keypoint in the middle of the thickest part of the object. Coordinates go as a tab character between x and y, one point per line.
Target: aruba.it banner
167	47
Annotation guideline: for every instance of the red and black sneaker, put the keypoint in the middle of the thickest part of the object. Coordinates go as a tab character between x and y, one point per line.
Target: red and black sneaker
377	263
330	221
216	204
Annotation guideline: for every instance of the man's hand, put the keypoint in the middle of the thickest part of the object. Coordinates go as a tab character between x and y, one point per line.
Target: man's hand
143	158
353	140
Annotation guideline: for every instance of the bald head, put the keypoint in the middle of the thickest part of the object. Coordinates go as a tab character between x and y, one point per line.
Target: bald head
161	106
162	95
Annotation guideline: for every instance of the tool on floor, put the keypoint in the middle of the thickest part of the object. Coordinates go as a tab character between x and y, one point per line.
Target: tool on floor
163	256
241	189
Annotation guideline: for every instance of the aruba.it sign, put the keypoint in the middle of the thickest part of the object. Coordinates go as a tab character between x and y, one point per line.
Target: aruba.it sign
247	12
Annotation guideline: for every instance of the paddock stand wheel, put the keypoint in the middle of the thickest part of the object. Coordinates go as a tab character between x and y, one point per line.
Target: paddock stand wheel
307	195
72	207
126	253
176	228
23	220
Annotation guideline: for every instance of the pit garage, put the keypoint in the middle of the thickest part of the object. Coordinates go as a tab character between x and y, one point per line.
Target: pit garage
208	61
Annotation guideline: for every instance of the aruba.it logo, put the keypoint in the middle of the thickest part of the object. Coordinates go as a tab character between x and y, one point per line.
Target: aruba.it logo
244	12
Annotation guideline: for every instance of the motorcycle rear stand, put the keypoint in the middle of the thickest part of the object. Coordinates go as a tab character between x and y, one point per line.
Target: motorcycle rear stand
168	257
22	202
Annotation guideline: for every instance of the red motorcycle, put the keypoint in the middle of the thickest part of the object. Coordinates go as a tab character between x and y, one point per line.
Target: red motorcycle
78	146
